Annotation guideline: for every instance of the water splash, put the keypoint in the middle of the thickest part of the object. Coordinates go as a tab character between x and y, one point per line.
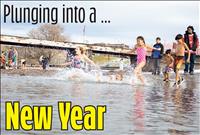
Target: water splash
95	76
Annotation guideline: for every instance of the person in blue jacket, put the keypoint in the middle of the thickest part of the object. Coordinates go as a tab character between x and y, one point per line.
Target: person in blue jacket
156	56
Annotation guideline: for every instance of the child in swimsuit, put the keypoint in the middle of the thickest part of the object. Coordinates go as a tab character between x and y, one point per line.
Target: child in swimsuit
141	50
180	49
168	60
77	63
79	60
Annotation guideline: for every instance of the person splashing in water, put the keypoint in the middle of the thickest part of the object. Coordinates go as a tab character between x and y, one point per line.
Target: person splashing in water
79	61
141	50
169	62
180	49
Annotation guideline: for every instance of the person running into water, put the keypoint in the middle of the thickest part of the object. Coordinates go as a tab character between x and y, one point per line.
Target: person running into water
169	61
80	59
118	76
141	50
180	49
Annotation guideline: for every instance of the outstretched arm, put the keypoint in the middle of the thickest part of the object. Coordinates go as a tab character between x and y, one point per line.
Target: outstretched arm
67	63
132	50
88	60
152	48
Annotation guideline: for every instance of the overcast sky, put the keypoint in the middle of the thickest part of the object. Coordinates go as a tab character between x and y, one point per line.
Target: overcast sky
128	20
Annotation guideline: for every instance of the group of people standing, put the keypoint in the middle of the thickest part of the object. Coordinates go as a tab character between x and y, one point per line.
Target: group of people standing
9	58
192	42
184	52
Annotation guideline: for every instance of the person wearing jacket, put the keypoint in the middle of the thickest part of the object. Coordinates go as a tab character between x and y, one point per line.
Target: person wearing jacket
157	55
192	41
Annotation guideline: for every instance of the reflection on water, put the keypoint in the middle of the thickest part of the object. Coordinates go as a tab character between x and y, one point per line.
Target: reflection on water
155	109
138	109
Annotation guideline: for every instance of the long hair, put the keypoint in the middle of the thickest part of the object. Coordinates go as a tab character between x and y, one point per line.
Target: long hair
141	38
82	50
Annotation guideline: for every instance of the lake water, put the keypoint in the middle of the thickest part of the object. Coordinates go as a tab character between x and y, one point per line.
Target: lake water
154	109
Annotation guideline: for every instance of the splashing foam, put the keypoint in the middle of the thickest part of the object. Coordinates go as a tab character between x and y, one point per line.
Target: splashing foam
96	76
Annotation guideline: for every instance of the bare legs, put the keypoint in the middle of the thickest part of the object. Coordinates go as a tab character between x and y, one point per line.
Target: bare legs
177	76
138	71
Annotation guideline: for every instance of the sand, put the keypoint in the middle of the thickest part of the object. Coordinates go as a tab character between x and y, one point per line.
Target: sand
29	72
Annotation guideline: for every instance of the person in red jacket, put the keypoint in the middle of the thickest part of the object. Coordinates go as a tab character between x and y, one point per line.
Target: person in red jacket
192	41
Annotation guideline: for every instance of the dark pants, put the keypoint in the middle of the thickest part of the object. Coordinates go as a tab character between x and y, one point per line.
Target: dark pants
44	63
190	66
156	66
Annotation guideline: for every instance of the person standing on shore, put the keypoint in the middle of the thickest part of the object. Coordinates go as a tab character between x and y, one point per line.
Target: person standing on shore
45	62
15	57
156	56
192	41
3	60
23	63
10	57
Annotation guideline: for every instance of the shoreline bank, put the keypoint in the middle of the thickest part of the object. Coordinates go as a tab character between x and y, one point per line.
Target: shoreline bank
29	72
49	71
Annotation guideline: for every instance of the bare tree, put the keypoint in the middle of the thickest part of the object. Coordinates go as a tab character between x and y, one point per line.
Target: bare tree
46	32
49	32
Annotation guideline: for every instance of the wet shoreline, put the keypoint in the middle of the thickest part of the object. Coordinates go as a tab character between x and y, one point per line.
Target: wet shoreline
48	72
29	72
130	109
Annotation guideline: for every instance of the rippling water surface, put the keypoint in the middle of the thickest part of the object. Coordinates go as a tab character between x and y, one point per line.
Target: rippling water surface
154	109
